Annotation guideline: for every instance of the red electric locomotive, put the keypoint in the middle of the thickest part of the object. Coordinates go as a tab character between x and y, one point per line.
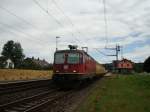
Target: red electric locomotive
73	65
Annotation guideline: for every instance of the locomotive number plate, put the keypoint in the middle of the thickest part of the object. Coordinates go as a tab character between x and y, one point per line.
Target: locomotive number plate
65	67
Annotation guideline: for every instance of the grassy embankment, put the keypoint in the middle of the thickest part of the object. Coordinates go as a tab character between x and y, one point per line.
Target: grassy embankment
128	93
12	74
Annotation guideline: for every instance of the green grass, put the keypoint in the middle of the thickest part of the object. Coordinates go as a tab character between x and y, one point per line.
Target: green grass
128	93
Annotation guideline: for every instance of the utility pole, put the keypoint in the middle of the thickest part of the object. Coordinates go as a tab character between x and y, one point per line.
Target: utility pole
57	43
117	50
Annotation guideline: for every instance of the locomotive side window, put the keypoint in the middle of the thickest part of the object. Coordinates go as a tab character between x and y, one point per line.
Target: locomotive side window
73	58
59	58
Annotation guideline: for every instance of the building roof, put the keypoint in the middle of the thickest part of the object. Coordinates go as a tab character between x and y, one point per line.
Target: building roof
126	60
41	62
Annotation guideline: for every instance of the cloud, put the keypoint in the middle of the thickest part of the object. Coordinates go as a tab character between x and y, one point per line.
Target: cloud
139	54
128	24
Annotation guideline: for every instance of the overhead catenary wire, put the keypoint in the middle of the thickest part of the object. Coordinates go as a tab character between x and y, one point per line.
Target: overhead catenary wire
99	52
16	34
37	3
54	18
106	27
4	30
56	4
97	55
28	36
105	21
68	20
18	17
22	20
67	17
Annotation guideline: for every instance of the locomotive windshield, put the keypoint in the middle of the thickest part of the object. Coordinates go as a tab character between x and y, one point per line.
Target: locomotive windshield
73	58
70	58
59	58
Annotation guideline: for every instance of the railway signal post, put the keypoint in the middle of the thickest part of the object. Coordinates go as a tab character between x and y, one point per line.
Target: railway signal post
117	49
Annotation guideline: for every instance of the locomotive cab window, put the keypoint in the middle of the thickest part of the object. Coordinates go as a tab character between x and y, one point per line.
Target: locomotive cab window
73	58
59	58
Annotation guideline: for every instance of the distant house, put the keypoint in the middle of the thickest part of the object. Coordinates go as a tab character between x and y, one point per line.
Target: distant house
35	64
123	66
6	62
9	64
42	63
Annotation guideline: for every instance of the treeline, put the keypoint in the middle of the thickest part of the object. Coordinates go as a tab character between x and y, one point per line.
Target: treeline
142	67
12	56
29	63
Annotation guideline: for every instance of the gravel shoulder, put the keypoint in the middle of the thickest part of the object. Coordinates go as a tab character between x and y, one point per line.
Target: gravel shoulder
71	102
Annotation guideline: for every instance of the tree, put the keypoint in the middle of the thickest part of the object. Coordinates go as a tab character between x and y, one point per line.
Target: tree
138	67
13	51
28	63
2	62
146	66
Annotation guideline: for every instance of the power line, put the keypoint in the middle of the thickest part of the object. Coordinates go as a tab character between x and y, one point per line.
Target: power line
97	53
67	17
26	34
2	29
18	17
13	14
100	52
37	3
69	20
106	23
50	15
16	34
62	12
116	49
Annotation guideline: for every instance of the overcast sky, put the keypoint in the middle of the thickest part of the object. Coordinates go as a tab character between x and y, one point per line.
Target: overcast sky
36	23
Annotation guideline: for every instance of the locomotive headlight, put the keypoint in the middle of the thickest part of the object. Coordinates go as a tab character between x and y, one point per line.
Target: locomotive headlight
57	71
74	71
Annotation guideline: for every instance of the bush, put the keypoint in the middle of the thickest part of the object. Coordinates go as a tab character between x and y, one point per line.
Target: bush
146	66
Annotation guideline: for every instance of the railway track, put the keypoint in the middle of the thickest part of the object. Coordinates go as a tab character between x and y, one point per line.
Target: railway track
34	103
22	86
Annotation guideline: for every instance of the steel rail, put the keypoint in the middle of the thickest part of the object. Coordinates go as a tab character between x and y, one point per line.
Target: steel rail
16	87
47	102
22	104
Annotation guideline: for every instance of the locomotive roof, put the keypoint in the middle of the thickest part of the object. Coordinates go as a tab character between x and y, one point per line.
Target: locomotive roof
68	50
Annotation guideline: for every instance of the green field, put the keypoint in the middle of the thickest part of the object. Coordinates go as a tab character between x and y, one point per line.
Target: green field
123	93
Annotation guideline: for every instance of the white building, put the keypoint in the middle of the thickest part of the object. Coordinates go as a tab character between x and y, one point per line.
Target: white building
9	63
